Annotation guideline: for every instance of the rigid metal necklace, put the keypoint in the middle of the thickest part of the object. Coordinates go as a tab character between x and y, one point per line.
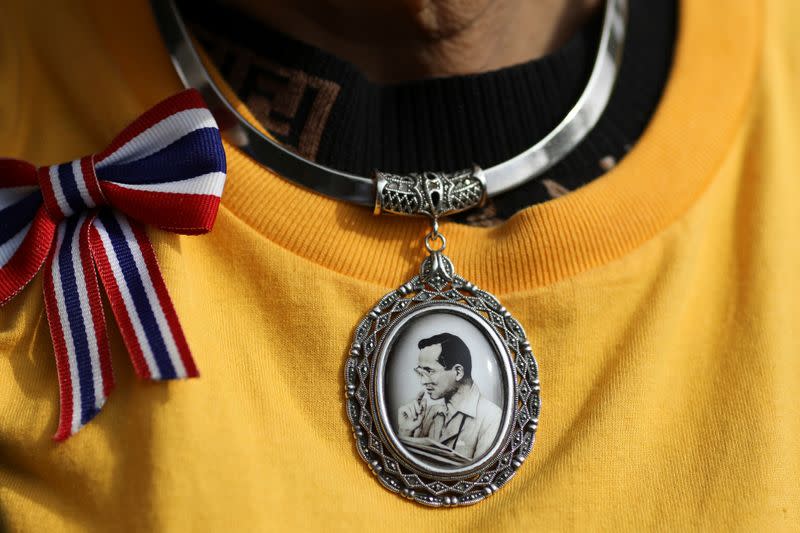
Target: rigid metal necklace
442	388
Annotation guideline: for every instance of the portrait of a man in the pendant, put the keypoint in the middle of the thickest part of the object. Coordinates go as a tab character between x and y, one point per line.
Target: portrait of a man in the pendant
464	424
445	392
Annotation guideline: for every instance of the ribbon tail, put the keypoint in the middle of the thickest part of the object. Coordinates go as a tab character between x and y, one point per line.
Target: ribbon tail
139	299
77	327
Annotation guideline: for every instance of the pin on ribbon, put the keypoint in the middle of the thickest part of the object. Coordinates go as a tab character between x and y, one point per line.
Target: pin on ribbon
167	169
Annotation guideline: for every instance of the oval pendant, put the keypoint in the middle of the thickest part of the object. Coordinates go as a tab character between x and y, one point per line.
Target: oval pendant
442	389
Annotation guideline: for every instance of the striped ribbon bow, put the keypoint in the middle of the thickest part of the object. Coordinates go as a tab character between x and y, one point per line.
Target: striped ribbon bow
167	169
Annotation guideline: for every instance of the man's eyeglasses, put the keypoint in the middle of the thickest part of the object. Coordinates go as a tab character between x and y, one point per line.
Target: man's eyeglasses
426	372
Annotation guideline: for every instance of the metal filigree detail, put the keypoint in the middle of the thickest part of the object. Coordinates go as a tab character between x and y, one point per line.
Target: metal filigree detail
437	285
435	194
437	270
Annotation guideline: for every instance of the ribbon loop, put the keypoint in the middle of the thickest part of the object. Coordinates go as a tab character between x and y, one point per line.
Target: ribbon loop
26	231
167	169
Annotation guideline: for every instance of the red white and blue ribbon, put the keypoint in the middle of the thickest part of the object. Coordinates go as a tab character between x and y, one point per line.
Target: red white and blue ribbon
87	217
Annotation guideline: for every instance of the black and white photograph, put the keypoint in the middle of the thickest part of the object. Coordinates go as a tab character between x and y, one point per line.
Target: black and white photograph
444	390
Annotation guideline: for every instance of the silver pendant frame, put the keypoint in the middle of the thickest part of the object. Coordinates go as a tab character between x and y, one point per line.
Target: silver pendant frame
438	289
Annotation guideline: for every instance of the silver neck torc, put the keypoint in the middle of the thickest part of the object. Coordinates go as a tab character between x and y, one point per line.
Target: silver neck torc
436	194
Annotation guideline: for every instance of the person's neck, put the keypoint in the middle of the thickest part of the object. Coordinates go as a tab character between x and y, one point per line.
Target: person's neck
459	395
397	40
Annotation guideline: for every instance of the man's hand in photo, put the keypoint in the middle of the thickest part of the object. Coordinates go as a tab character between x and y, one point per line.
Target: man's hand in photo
410	416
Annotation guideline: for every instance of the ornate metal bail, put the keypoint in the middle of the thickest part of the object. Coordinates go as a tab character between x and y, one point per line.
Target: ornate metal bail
432	194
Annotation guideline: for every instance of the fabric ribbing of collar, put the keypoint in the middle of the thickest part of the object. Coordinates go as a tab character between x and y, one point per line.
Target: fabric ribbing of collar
167	169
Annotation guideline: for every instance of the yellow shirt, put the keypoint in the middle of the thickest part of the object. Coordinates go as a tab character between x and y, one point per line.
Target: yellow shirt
661	301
